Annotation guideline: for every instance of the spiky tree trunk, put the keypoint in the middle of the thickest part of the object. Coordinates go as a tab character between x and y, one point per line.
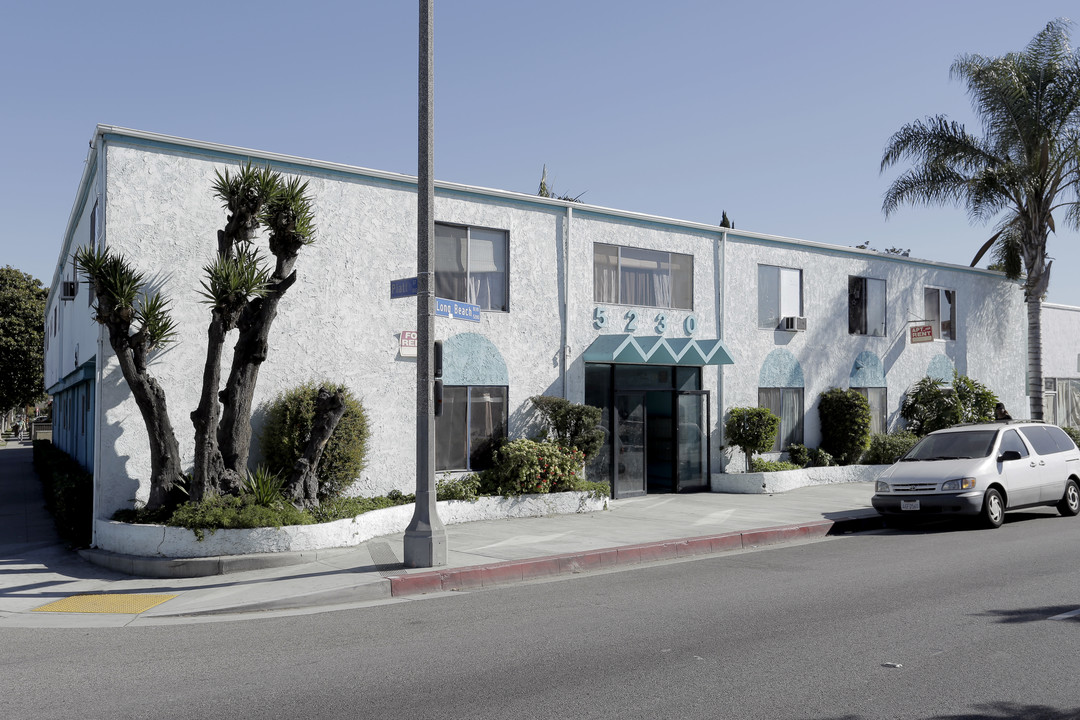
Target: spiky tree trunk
302	486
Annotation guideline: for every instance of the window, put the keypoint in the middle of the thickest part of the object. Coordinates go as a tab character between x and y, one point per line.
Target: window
786	404
1011	441
940	309
470	266
877	397
866	306
779	294
648	278
473	418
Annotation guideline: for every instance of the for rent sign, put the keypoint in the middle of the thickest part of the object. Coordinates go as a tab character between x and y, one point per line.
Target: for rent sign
922	333
407	348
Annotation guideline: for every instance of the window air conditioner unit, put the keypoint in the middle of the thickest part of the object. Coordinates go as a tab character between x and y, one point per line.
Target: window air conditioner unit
793	324
67	290
1049	384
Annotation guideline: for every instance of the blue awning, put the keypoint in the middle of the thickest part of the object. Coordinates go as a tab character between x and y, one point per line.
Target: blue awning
657	350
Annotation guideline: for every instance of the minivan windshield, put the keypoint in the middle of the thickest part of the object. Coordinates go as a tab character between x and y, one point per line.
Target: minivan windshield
953	446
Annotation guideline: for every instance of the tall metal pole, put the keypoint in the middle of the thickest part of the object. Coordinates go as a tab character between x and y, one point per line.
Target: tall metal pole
425	538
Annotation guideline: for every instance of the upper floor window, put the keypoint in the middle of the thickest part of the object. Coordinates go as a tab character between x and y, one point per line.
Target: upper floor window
647	278
779	294
940	309
866	306
471	266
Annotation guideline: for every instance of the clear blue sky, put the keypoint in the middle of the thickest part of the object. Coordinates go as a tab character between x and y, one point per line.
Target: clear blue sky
774	111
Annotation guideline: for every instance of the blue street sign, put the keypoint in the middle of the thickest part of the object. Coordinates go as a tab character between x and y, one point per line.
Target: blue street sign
405	287
457	310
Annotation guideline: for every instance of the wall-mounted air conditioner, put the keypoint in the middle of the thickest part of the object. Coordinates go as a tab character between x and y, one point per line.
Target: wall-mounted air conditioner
67	289
793	323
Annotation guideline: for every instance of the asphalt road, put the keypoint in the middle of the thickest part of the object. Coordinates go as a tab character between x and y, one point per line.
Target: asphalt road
937	623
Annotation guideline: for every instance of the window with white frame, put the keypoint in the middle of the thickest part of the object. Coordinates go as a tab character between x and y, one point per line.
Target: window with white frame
866	306
471	266
786	404
939	306
646	278
779	295
878	399
473	419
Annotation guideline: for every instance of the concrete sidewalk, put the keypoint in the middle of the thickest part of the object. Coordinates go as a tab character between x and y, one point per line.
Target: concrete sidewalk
36	570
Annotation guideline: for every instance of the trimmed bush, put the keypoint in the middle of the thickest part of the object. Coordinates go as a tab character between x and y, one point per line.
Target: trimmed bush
527	466
799	454
571	425
820	458
69	492
887	448
465	487
845	424
763	466
751	429
288	424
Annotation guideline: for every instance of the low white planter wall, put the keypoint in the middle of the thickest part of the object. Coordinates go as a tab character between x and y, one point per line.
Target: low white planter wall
775	482
174	542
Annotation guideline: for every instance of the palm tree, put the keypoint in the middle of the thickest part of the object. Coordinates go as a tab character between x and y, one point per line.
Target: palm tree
1020	171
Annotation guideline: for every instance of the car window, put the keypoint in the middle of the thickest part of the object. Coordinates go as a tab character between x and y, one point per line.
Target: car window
1061	438
1010	440
1041	440
950	446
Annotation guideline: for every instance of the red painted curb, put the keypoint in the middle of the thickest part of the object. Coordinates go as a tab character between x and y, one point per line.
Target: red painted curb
514	571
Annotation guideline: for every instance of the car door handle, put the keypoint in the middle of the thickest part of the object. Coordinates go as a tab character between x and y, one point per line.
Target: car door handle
1032	463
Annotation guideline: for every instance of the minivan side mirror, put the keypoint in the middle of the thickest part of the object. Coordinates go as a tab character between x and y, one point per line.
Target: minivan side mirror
1009	455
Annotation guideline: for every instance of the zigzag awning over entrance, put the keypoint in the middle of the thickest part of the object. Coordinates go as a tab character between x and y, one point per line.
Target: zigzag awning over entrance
657	350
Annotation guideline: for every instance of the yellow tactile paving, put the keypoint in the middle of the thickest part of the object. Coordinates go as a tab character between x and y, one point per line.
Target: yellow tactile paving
110	603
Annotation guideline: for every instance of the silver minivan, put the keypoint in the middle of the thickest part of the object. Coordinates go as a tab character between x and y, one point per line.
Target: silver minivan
983	470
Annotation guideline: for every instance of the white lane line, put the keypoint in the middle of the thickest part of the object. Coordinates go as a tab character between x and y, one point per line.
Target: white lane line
1066	616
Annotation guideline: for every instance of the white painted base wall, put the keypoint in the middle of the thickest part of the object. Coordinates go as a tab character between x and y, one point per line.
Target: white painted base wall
776	482
174	542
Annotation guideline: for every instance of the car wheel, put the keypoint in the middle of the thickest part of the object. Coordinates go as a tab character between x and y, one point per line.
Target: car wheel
1070	501
993	512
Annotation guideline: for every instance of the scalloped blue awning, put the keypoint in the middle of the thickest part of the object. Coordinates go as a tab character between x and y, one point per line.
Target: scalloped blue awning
657	350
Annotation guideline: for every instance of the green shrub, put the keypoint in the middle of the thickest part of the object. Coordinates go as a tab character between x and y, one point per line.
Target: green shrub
571	425
1074	433
821	458
465	487
799	454
230	511
594	489
342	508
763	466
887	448
69	492
845	424
264	487
288	424
527	466
930	405
751	429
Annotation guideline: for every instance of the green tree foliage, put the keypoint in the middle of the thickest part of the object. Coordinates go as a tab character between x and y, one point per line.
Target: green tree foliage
845	424
22	338
1019	172
751	429
571	425
289	420
931	405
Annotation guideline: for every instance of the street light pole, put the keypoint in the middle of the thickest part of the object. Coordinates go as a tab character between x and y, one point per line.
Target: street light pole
425	538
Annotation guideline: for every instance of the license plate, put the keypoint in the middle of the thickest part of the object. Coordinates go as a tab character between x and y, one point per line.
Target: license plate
909	504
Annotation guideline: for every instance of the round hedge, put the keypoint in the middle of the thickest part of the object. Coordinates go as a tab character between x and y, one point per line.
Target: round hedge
288	424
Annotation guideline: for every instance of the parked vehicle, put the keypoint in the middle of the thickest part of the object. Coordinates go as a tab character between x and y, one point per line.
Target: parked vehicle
983	470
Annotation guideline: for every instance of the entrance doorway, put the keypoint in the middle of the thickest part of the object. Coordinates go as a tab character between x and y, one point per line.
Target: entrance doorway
657	419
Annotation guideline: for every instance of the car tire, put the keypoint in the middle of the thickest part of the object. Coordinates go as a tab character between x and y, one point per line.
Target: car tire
1069	505
993	509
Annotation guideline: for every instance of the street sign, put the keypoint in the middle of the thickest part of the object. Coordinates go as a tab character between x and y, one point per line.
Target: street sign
922	333
405	287
457	310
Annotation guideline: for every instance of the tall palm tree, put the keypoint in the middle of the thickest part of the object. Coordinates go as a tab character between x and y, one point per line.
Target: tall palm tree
1021	170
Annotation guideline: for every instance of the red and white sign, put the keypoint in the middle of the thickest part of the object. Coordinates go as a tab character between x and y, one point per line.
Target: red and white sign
407	348
922	333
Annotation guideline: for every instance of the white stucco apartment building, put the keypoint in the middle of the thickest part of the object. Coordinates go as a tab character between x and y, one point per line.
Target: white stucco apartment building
662	323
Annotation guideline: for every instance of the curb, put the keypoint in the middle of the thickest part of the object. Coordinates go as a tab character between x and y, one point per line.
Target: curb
515	571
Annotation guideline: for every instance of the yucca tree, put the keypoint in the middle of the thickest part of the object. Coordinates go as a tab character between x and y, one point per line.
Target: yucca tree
138	323
1019	172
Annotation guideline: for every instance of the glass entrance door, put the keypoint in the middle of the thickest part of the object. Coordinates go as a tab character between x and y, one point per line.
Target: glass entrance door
692	441
629	444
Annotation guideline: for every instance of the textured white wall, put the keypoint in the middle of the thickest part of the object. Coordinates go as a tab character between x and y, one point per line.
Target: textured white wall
1061	341
990	318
